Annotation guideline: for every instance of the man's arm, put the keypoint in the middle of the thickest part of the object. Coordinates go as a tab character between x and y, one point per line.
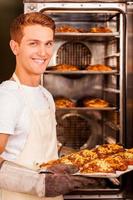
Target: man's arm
3	141
19	179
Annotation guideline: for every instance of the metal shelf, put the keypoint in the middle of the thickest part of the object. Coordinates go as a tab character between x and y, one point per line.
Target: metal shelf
112	56
112	90
86	108
80	72
100	37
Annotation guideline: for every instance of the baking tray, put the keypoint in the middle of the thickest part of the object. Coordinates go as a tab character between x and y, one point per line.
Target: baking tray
106	175
86	34
87	108
99	37
73	1
80	72
95	175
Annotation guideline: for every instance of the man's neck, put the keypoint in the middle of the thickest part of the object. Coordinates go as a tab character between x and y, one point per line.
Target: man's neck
32	81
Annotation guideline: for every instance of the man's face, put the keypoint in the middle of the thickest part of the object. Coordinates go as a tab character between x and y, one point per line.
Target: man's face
35	49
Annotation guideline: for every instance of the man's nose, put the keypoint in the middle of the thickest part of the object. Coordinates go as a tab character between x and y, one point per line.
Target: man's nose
42	50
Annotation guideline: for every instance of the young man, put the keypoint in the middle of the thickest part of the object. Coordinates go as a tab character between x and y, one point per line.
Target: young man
27	119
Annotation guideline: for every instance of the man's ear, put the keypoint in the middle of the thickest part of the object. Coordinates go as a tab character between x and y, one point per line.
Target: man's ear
14	46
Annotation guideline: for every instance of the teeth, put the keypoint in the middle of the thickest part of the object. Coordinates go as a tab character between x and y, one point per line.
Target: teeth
39	61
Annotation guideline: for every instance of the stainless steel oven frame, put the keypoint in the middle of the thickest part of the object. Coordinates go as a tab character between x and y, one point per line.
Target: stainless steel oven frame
125	8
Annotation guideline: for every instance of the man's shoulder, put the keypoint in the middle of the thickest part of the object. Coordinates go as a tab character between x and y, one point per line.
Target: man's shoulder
8	84
9	89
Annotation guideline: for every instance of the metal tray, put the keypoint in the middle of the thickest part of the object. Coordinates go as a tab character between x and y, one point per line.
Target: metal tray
95	175
81	1
86	34
100	37
80	72
87	108
106	175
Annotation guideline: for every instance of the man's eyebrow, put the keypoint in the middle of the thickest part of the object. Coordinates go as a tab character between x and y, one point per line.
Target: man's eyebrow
36	40
50	40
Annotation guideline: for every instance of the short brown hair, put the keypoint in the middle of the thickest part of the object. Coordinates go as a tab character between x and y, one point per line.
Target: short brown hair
33	18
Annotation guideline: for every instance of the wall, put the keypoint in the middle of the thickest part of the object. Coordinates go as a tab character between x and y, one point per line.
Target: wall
9	9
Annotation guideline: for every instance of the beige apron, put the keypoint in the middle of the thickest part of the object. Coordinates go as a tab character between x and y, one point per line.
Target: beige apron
40	146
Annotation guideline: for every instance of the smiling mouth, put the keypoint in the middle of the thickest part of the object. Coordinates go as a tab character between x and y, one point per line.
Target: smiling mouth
39	61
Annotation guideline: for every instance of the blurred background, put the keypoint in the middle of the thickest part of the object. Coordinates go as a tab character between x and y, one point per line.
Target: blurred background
9	9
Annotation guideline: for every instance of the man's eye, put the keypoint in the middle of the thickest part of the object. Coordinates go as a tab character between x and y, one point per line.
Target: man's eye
50	44
32	43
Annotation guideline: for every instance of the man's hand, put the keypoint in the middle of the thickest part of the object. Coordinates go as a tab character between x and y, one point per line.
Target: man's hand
57	184
19	179
61	180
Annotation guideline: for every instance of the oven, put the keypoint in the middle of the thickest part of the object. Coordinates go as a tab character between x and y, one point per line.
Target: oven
81	127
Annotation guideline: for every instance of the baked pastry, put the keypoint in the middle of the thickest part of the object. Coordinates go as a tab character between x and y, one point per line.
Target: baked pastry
49	164
95	103
100	30
128	156
97	165
78	159
88	154
130	150
65	160
98	67
108	149
117	162
107	165
106	158
63	102
65	67
82	157
66	28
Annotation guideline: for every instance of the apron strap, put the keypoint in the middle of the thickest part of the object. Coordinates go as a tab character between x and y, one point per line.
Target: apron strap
14	76
16	79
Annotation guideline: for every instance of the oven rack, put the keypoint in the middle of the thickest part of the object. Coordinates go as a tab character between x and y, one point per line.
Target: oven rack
111	90
112	56
62	15
80	72
89	194
86	108
86	34
100	37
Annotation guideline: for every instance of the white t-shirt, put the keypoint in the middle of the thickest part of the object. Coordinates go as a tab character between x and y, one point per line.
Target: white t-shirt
14	112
